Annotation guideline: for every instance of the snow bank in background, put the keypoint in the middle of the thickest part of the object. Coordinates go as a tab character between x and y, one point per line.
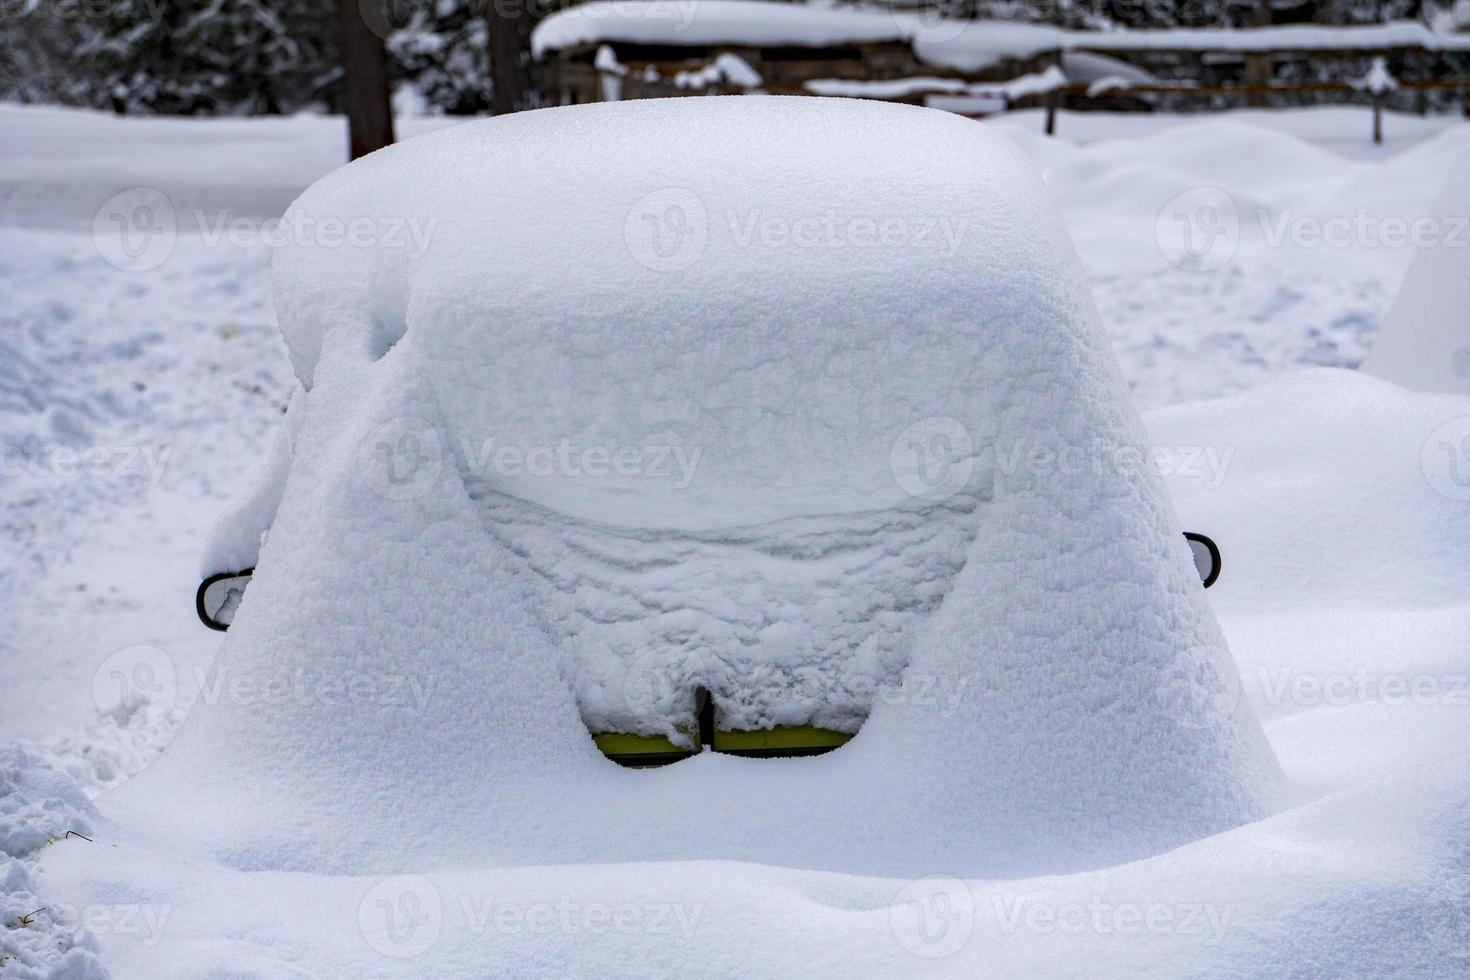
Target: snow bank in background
1393	535
1425	341
747	22
1340	504
962	44
1065	646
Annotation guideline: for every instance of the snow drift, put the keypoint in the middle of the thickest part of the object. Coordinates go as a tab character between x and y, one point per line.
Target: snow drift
865	328
1425	342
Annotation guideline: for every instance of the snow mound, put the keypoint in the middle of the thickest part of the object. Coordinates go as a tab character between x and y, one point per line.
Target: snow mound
1389	519
43	939
1425	340
401	689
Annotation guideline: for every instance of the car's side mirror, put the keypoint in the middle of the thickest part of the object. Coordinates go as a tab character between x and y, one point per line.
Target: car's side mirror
1206	557
219	596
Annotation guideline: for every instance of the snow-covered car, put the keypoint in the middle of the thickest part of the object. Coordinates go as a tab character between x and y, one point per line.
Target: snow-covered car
762	425
713	453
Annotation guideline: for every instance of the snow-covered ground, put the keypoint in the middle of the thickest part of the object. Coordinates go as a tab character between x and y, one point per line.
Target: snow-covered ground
140	383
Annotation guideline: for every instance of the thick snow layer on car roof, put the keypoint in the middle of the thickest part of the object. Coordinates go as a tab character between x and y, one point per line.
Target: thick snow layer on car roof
946	426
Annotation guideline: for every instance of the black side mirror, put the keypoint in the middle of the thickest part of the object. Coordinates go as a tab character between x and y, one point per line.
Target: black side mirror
1206	557
219	596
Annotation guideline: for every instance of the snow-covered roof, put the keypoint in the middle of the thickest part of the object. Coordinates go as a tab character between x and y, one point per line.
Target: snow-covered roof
826	356
1286	37
963	45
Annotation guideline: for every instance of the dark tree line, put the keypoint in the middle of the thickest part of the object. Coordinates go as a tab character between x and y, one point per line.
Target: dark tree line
245	57
237	57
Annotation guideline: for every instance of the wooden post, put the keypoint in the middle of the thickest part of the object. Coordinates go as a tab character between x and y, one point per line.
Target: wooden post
1051	113
509	23
1378	117
1258	66
364	81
